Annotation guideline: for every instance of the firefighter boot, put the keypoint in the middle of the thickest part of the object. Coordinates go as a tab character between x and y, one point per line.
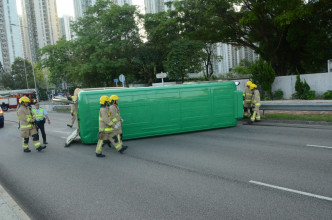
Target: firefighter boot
100	155
40	148
27	150
123	149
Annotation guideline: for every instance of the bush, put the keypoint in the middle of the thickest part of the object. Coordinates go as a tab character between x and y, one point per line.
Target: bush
263	74
328	95
303	90
278	94
311	95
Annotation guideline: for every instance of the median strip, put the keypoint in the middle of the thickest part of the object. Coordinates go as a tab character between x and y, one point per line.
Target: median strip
291	190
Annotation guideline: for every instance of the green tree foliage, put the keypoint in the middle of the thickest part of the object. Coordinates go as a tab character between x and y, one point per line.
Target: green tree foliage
161	31
59	61
21	73
303	89
184	56
289	34
263	75
106	44
242	69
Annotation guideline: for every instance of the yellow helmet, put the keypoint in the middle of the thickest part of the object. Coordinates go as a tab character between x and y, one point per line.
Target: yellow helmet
114	97
24	99
104	99
253	86
249	83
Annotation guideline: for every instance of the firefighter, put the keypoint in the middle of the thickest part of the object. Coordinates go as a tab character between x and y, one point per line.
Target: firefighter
247	97
105	125
73	110
27	125
114	115
256	103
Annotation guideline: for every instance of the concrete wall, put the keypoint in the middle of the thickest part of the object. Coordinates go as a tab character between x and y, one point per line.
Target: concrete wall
319	82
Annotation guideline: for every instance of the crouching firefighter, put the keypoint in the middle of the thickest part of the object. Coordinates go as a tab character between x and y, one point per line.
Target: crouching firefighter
27	125
107	126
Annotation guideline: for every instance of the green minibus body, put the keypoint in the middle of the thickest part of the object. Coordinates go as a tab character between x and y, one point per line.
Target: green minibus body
153	111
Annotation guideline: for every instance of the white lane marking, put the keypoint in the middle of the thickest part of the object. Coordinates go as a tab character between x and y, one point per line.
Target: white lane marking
311	145
291	190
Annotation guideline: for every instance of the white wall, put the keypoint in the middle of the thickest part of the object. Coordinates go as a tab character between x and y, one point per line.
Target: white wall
319	82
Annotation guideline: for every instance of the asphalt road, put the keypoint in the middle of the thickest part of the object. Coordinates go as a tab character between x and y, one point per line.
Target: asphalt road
246	172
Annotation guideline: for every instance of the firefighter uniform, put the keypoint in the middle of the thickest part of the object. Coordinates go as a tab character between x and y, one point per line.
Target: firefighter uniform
73	110
256	102
105	125
114	114
27	126
247	99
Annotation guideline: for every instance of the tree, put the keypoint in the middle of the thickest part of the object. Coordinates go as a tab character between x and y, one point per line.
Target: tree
263	75
59	61
105	47
21	74
7	81
289	34
243	68
184	56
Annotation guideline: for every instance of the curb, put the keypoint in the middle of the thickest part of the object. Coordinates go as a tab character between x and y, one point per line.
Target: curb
9	209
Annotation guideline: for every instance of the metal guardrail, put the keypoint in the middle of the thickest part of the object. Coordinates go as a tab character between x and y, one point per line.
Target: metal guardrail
296	107
60	107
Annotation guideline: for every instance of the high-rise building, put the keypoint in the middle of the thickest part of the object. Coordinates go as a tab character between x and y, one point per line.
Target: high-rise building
80	6
10	39
64	25
122	2
155	6
40	21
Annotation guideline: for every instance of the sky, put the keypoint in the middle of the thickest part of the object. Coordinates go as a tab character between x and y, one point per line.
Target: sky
66	7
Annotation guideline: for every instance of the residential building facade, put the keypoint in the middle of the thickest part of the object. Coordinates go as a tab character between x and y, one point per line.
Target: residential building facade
10	38
80	6
64	25
40	21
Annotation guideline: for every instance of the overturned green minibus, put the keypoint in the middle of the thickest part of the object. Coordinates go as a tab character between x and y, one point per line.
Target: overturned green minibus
153	111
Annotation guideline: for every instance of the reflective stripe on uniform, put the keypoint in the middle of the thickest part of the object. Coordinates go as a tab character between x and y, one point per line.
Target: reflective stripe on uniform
99	146
119	144
257	104
106	129
26	126
28	118
111	122
37	144
25	146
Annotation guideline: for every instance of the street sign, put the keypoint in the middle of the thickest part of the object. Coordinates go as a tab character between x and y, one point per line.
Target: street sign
161	75
116	80
122	78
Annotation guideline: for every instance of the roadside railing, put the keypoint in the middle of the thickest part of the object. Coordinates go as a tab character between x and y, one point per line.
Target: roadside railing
296	107
62	107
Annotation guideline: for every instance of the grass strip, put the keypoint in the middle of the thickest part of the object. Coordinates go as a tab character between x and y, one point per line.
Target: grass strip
306	117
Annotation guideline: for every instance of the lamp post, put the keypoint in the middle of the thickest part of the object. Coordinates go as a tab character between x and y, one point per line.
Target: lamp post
33	68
